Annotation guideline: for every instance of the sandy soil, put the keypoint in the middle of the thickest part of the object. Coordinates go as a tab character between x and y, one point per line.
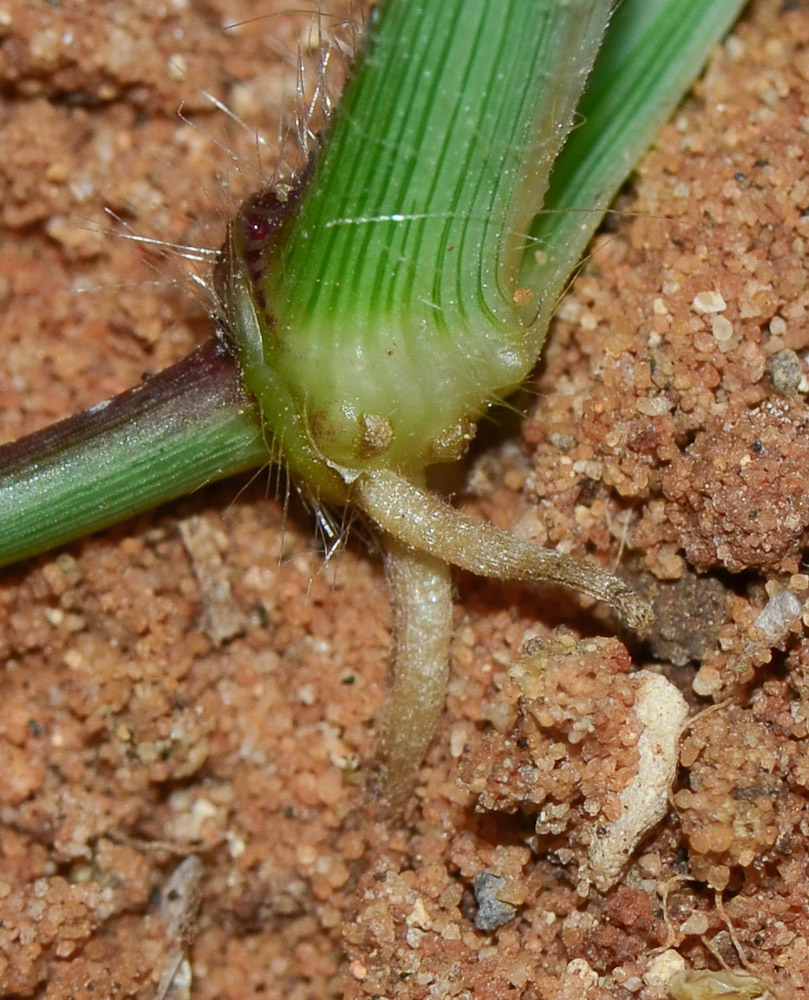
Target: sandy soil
196	684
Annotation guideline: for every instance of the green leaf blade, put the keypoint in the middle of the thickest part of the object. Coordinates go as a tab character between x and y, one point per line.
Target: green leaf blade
652	52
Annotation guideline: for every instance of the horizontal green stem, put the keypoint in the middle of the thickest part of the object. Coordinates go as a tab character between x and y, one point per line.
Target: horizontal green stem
178	430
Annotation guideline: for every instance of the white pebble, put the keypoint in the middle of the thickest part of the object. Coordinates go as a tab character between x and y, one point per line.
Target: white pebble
662	711
709	302
722	329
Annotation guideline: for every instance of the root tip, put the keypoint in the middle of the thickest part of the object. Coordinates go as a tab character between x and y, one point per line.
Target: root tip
635	611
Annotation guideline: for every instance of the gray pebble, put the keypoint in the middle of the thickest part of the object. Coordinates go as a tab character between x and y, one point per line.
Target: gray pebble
492	912
785	369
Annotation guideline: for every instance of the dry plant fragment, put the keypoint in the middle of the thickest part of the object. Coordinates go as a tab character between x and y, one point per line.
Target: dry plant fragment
178	907
422	602
223	618
661	710
704	984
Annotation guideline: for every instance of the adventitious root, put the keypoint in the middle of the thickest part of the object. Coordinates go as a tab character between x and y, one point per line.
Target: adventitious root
423	521
423	536
422	604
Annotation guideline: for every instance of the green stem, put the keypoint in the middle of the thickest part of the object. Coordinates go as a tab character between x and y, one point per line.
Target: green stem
185	427
387	314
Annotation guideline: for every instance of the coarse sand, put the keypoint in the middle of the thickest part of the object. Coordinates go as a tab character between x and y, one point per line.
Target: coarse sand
188	701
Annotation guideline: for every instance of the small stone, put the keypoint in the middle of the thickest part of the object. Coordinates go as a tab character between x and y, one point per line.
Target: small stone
653	406
663	967
358	970
492	912
697	924
377	434
177	66
785	370
780	612
722	329
708	302
581	969
523	297
418	916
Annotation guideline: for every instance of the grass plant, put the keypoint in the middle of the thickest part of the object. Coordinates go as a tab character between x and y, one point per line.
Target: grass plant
366	319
